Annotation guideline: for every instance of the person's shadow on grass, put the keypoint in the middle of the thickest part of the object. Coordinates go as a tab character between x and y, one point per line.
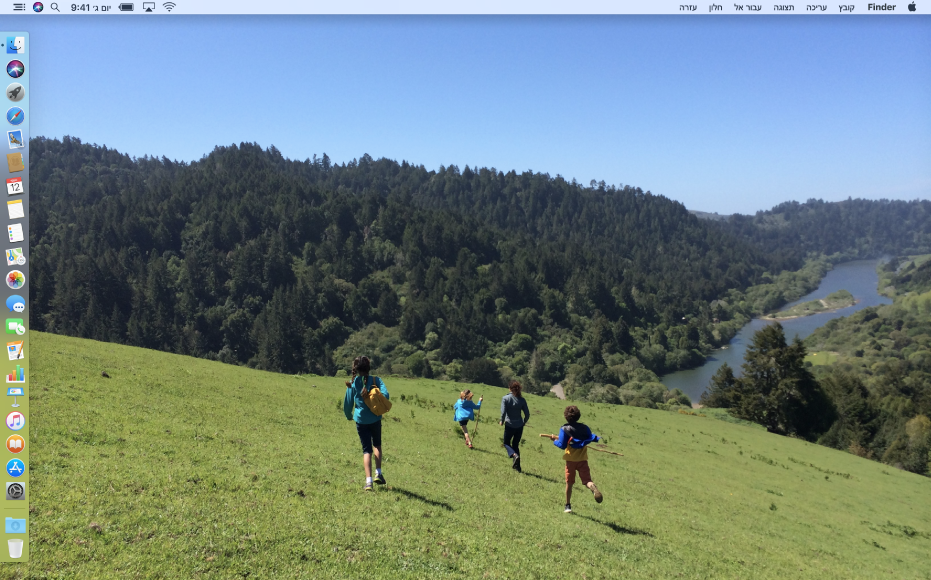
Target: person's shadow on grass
541	477
484	451
616	527
417	496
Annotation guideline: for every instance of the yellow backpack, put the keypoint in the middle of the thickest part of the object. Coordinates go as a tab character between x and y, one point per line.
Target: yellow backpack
377	403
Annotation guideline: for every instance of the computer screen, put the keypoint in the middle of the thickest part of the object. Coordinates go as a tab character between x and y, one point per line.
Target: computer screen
267	262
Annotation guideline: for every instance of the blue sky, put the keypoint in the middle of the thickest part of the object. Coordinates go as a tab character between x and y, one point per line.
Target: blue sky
723	114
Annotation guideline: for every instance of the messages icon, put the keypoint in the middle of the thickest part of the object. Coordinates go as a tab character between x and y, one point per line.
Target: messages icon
16	303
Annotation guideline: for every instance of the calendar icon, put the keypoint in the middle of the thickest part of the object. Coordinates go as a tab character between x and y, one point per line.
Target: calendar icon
14	185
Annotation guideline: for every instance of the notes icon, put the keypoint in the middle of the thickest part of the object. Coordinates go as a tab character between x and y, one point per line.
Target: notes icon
15	208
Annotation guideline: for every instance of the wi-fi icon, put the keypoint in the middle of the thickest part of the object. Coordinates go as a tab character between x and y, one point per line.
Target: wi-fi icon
169	5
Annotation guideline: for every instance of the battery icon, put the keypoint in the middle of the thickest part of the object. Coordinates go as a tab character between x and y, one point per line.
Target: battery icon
126	6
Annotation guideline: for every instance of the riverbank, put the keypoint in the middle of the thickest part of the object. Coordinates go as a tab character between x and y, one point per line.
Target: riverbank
832	303
859	278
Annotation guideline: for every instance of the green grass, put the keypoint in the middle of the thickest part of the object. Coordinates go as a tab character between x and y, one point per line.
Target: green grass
916	260
822	358
885	278
183	468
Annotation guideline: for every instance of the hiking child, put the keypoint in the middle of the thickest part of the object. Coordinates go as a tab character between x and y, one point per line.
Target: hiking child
368	424
573	438
465	412
514	416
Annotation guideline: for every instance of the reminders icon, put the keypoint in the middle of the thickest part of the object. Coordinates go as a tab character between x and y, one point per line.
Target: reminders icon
16	232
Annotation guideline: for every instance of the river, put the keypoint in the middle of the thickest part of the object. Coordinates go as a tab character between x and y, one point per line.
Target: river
858	277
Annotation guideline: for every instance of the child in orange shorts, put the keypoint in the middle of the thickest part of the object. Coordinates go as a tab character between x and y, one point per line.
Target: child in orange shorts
573	438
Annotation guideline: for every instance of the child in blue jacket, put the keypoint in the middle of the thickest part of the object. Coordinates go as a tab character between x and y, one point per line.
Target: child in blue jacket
368	424
465	412
573	438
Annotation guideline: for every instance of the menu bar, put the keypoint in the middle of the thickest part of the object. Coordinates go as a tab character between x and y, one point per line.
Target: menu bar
741	8
288	7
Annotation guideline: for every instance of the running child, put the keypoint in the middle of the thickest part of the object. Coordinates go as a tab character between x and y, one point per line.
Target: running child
514	417
368	424
465	412
573	438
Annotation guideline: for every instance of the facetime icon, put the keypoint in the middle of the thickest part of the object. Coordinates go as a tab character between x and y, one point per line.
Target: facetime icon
15	326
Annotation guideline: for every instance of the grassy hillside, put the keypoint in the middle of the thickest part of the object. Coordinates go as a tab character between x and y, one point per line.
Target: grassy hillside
184	468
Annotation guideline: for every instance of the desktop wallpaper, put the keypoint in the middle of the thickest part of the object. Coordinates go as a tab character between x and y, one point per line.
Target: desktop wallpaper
708	236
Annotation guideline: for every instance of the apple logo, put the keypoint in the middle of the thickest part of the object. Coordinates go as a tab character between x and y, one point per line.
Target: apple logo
911	7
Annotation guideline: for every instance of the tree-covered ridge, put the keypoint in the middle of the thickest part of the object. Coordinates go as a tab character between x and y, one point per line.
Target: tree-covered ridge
251	258
659	247
858	228
881	383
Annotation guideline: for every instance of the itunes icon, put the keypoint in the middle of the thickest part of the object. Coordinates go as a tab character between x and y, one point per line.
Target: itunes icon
15	421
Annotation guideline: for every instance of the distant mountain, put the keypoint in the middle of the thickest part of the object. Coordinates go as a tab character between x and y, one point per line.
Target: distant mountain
704	215
857	227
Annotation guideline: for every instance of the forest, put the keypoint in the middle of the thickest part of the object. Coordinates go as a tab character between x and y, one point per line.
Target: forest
873	399
250	258
852	228
881	382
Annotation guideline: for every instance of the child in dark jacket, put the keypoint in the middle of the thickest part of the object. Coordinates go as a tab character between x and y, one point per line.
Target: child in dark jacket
573	438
